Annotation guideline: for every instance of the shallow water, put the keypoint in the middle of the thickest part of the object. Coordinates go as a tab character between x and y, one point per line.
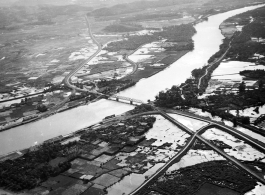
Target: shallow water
191	123
59	124
74	119
131	182
206	43
230	70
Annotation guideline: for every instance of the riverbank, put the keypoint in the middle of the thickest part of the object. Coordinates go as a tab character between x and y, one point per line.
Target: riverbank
106	154
149	71
74	119
108	178
33	118
229	95
161	61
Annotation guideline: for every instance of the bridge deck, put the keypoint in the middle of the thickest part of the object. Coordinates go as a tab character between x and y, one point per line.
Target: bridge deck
126	98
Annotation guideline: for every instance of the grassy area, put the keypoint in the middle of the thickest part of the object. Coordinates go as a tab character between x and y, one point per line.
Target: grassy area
122	28
210	189
41	51
190	179
172	58
105	67
151	70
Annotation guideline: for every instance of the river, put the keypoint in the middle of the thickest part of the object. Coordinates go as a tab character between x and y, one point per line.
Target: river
206	43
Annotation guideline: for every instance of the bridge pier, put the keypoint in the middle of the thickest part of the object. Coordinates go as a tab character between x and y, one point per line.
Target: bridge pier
117	99
131	102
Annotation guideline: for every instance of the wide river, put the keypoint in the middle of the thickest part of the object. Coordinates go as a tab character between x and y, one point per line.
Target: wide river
206	42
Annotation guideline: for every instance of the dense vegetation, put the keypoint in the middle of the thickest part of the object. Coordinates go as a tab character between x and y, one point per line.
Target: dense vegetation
253	74
141	17
113	86
13	17
42	108
181	33
52	158
181	47
88	96
177	33
123	28
141	108
131	43
134	7
222	49
121	132
170	98
243	47
188	180
35	167
217	105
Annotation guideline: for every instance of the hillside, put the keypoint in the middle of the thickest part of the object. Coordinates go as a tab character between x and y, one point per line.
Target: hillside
88	3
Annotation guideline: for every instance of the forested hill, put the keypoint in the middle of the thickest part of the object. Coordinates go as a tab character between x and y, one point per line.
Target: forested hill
135	6
13	17
87	3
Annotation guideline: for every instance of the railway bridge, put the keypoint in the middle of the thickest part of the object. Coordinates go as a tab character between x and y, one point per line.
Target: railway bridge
130	100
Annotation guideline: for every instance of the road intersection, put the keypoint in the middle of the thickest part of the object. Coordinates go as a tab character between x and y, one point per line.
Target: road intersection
197	136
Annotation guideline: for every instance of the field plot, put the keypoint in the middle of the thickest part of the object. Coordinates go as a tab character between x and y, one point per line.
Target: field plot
235	147
203	171
227	77
228	123
191	123
151	58
253	113
167	22
16	110
117	166
35	55
105	66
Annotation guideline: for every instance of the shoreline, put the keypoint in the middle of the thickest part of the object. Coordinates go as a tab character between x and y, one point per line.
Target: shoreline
36	117
33	120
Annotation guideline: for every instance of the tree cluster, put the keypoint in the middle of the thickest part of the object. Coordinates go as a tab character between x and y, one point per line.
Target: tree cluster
114	85
87	95
29	170
136	6
180	33
141	108
222	49
170	98
42	108
121	133
34	15
122	28
254	74
148	16
189	179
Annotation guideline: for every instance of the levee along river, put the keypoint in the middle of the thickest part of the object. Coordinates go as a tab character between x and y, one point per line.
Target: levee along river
206	43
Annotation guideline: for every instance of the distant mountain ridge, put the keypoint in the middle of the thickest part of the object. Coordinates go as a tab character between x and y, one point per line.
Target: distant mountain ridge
43	2
7	2
87	3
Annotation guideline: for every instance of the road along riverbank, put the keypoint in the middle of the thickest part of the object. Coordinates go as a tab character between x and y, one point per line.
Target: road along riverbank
80	117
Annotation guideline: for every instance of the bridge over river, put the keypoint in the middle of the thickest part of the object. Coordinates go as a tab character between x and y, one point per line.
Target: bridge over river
123	99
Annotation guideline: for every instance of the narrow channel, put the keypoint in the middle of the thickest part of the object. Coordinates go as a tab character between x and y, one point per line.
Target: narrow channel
206	43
